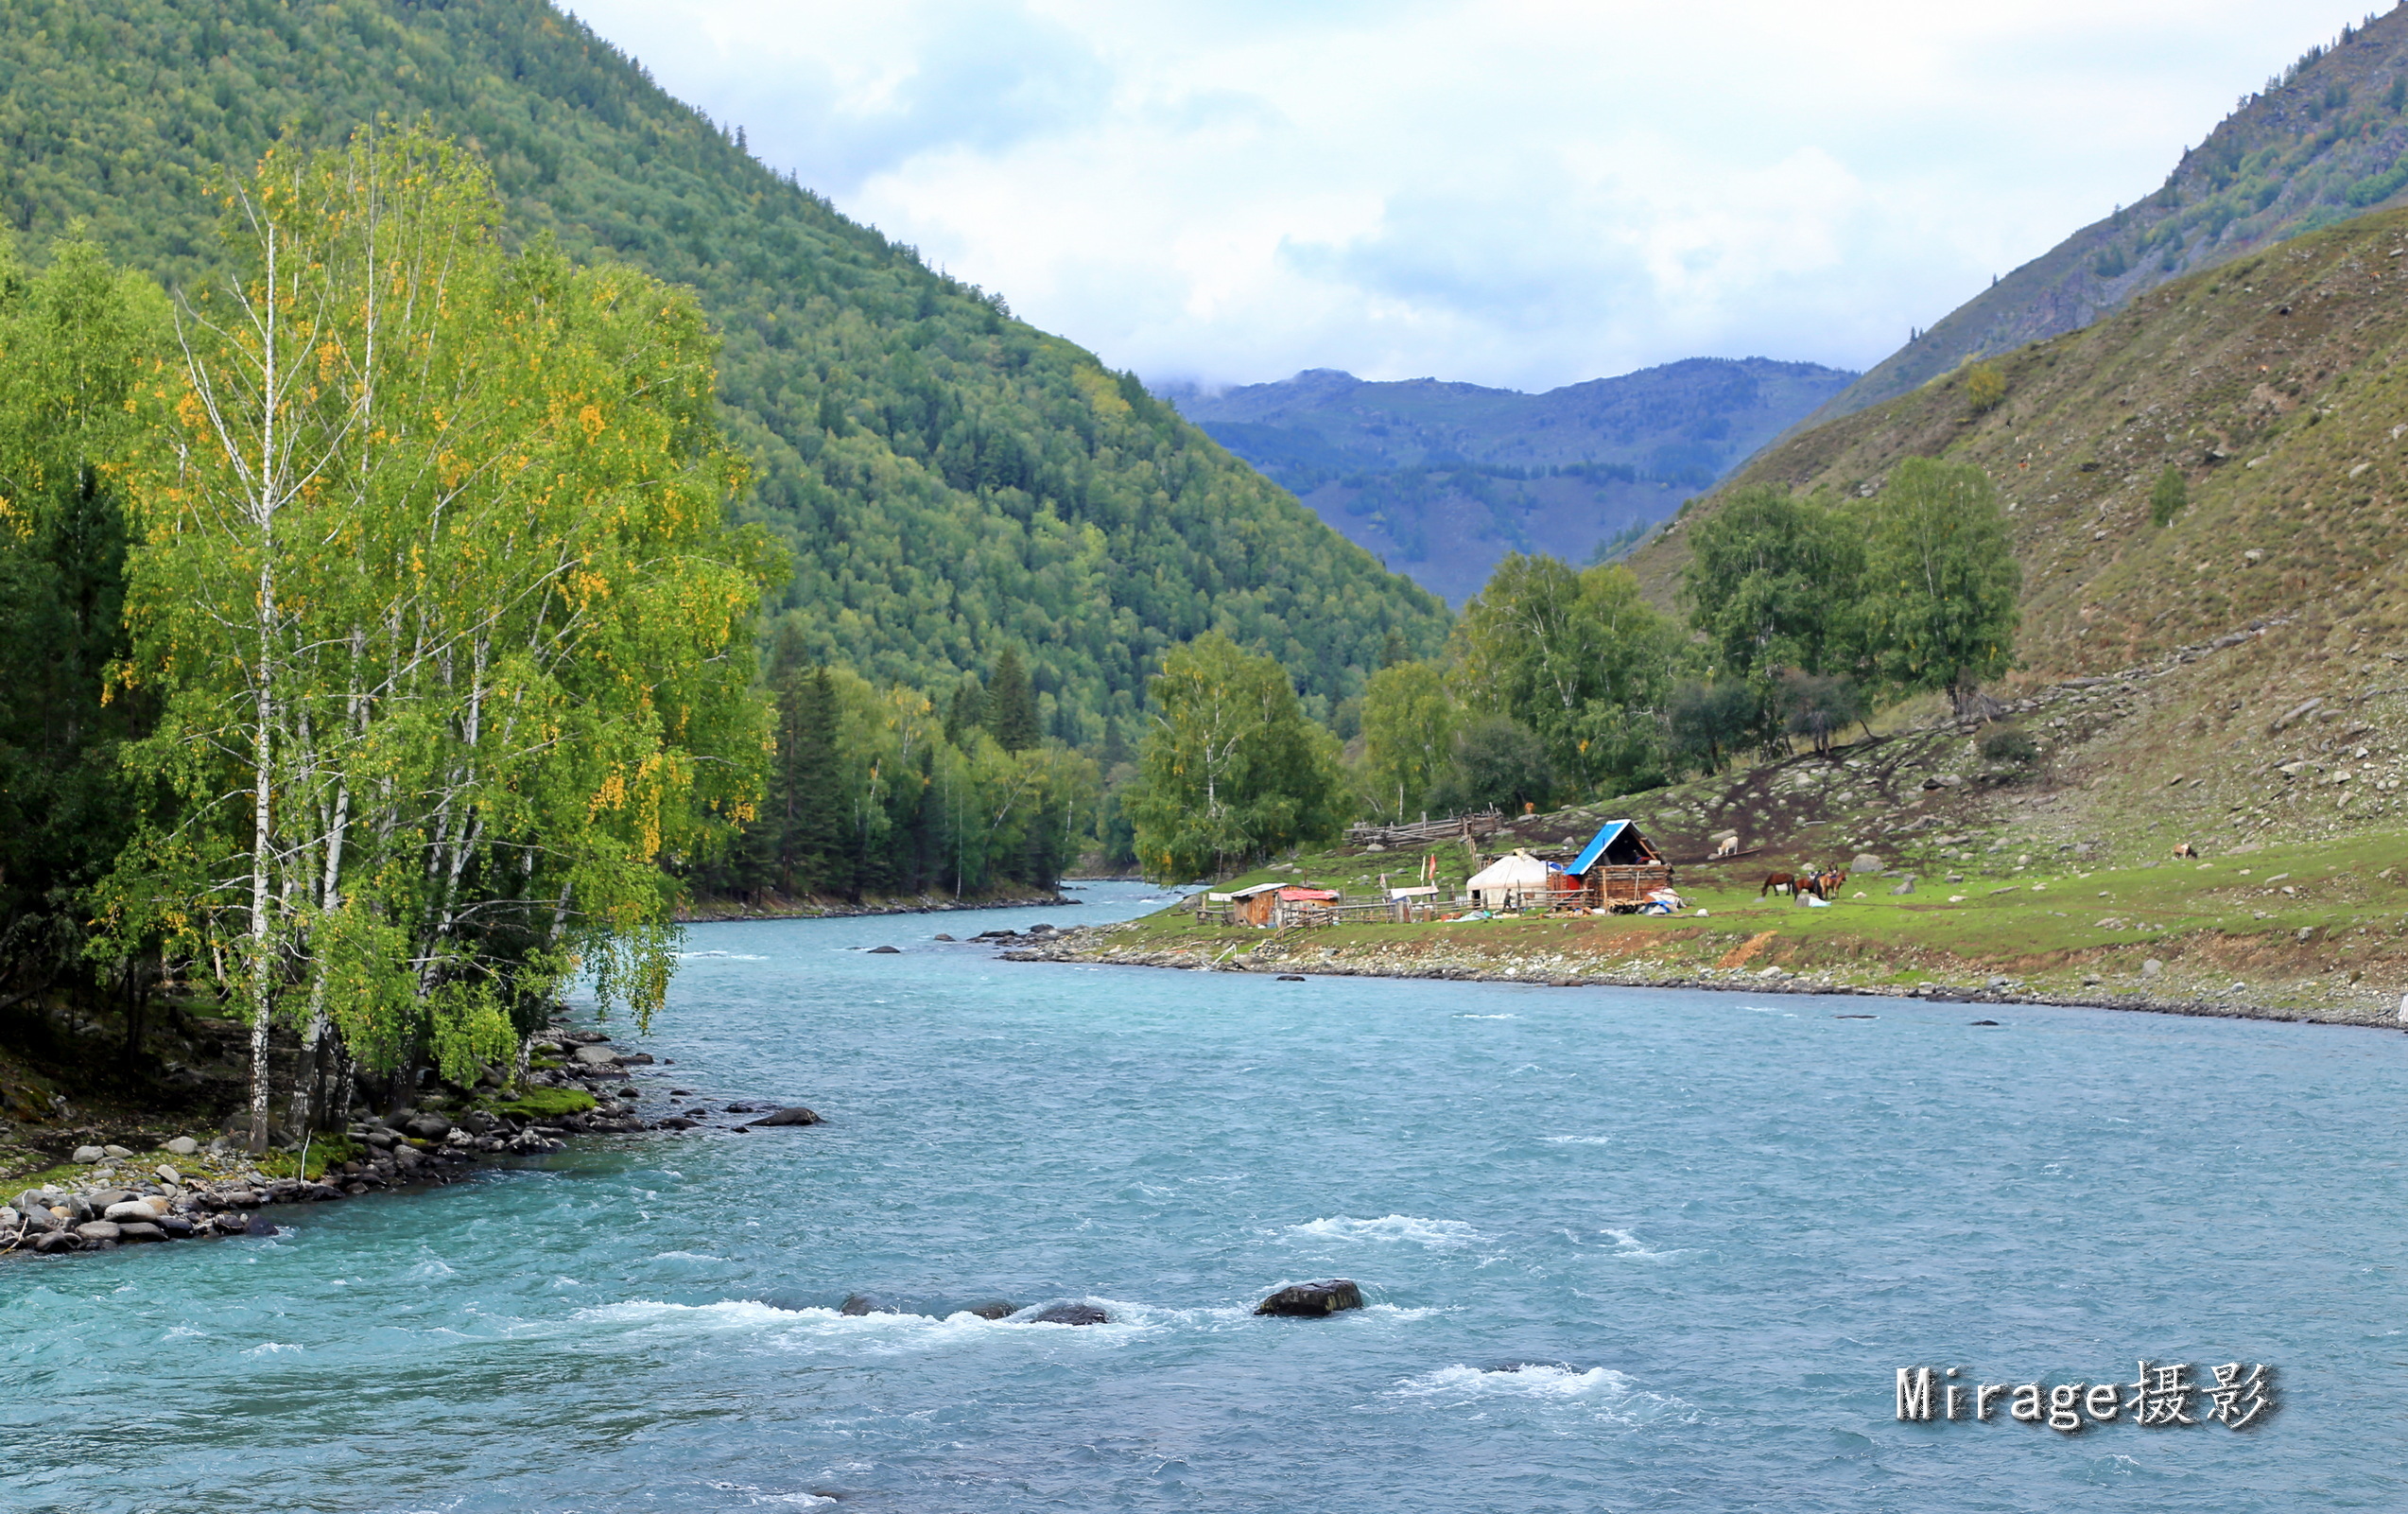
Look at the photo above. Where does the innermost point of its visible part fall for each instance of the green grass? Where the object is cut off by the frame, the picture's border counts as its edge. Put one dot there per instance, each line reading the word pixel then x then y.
pixel 2049 924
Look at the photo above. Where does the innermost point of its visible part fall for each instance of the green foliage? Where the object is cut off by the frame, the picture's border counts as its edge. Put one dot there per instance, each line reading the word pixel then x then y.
pixel 1940 580
pixel 1706 722
pixel 74 341
pixel 1231 771
pixel 2168 496
pixel 946 478
pixel 1579 658
pixel 1818 707
pixel 870 794
pixel 1011 705
pixel 1409 722
pixel 1772 585
pixel 434 577
pixel 1496 762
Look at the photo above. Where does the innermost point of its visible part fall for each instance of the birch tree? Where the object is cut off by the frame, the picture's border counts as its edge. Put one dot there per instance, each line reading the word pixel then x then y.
pixel 435 577
pixel 1231 770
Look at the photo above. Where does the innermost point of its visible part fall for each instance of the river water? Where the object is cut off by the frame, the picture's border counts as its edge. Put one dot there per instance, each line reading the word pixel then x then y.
pixel 1623 1250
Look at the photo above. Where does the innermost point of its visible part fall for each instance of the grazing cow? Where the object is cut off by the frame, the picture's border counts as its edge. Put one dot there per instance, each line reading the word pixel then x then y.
pixel 1780 883
pixel 1729 848
pixel 2186 849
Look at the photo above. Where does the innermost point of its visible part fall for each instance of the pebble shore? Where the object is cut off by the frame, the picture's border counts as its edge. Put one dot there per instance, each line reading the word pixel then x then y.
pixel 188 1190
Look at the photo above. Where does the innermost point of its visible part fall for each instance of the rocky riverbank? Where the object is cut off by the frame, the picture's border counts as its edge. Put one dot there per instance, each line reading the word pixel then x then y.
pixel 2154 986
pixel 779 906
pixel 107 1195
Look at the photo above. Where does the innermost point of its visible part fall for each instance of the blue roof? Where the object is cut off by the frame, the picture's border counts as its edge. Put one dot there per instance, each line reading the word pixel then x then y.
pixel 1597 845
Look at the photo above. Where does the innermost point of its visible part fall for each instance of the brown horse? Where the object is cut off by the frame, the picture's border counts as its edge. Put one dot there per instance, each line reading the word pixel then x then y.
pixel 1780 883
pixel 1823 885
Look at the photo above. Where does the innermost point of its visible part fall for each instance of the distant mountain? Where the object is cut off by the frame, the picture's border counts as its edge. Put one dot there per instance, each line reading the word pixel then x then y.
pixel 1442 479
pixel 2327 139
pixel 949 481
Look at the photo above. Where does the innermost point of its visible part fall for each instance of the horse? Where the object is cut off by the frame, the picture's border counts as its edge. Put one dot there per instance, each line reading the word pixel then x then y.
pixel 2186 849
pixel 1780 883
pixel 1823 885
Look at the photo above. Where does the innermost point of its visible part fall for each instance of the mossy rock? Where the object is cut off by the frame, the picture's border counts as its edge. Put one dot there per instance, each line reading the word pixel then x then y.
pixel 545 1104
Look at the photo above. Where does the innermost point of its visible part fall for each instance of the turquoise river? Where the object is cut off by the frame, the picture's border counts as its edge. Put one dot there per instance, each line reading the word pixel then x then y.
pixel 1623 1250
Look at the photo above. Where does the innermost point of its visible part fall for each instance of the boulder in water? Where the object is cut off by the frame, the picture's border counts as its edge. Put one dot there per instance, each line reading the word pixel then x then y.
pixel 1072 1315
pixel 886 951
pixel 861 1306
pixel 993 1309
pixel 795 1116
pixel 1291 978
pixel 1313 1300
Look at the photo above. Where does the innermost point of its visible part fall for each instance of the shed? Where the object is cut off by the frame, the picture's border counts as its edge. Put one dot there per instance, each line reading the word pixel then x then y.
pixel 1512 881
pixel 1253 906
pixel 1620 867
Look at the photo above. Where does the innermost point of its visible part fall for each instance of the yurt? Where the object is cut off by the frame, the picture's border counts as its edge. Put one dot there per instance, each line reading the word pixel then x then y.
pixel 1511 882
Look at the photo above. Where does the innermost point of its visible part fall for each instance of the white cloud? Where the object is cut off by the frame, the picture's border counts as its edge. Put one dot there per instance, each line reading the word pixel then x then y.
pixel 1513 192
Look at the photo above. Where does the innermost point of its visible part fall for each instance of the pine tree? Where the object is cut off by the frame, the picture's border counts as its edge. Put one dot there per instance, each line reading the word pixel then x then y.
pixel 1011 705
pixel 815 855
pixel 967 712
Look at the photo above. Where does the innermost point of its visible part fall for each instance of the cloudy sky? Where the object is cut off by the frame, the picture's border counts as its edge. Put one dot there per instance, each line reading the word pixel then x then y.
pixel 1519 194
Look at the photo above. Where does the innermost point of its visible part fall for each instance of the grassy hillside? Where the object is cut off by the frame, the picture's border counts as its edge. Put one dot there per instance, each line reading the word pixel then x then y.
pixel 1442 480
pixel 2272 604
pixel 950 478
pixel 2326 139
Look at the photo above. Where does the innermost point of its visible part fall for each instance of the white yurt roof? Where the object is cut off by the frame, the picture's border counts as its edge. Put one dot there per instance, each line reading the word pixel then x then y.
pixel 1517 870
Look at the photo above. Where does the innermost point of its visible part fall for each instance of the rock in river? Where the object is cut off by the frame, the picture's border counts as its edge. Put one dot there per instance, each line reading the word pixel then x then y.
pixel 886 951
pixel 862 1305
pixel 1074 1315
pixel 1313 1300
pixel 795 1116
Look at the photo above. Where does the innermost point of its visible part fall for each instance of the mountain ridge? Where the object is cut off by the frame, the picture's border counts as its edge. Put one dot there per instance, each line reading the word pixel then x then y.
pixel 1443 478
pixel 2327 139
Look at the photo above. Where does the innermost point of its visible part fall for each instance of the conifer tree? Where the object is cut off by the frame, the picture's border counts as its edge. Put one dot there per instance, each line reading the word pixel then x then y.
pixel 1011 705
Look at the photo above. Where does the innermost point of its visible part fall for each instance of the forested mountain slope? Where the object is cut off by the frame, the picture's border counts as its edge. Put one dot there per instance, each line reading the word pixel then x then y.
pixel 1442 480
pixel 2273 390
pixel 2326 139
pixel 948 478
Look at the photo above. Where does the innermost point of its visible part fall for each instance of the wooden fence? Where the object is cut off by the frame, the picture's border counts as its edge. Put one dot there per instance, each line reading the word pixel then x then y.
pixel 1421 832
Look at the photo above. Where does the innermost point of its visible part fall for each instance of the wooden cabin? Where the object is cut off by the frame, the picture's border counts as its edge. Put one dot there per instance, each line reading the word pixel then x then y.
pixel 1620 868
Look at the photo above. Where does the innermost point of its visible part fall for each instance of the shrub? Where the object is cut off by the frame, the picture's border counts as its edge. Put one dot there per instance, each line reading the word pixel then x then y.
pixel 2010 747
pixel 1984 387
pixel 2167 499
